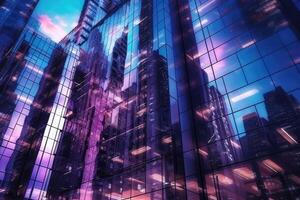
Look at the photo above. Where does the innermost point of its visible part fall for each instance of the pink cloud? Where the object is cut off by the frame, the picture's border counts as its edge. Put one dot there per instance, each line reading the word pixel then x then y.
pixel 56 31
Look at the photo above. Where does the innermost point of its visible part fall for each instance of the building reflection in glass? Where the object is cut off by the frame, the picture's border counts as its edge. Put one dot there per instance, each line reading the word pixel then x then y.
pixel 19 87
pixel 241 61
pixel 199 103
pixel 14 15
pixel 35 69
pixel 222 108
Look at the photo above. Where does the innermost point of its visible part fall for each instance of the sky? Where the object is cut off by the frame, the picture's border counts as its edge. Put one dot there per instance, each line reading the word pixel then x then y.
pixel 58 17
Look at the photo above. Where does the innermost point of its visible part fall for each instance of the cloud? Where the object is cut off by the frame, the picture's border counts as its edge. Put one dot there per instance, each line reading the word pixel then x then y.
pixel 53 30
pixel 56 27
pixel 61 22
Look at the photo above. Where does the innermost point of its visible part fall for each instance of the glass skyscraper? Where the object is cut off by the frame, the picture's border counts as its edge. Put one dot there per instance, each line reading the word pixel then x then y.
pixel 156 99
pixel 14 15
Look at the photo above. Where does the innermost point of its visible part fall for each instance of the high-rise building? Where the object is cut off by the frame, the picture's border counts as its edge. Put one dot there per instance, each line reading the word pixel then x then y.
pixel 22 161
pixel 87 19
pixel 283 112
pixel 14 15
pixel 158 99
pixel 19 86
pixel 83 118
pixel 32 103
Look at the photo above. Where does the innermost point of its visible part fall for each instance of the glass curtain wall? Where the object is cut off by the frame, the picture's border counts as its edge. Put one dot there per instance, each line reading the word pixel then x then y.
pixel 166 99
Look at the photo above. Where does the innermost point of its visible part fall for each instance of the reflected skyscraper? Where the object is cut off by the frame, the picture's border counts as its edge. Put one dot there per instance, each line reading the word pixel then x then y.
pixel 8 86
pixel 85 110
pixel 23 159
pixel 284 115
pixel 14 16
pixel 19 87
pixel 265 137
pixel 220 128
pixel 258 136
pixel 31 84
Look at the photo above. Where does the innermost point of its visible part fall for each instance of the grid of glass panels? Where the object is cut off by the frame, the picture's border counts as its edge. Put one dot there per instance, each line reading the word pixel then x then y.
pixel 248 53
pixel 237 124
pixel 41 172
pixel 202 103
pixel 139 122
pixel 38 85
pixel 32 53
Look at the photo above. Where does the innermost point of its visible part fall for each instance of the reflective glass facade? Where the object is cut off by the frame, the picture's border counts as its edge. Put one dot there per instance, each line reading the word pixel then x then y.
pixel 34 92
pixel 14 15
pixel 163 99
pixel 247 55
